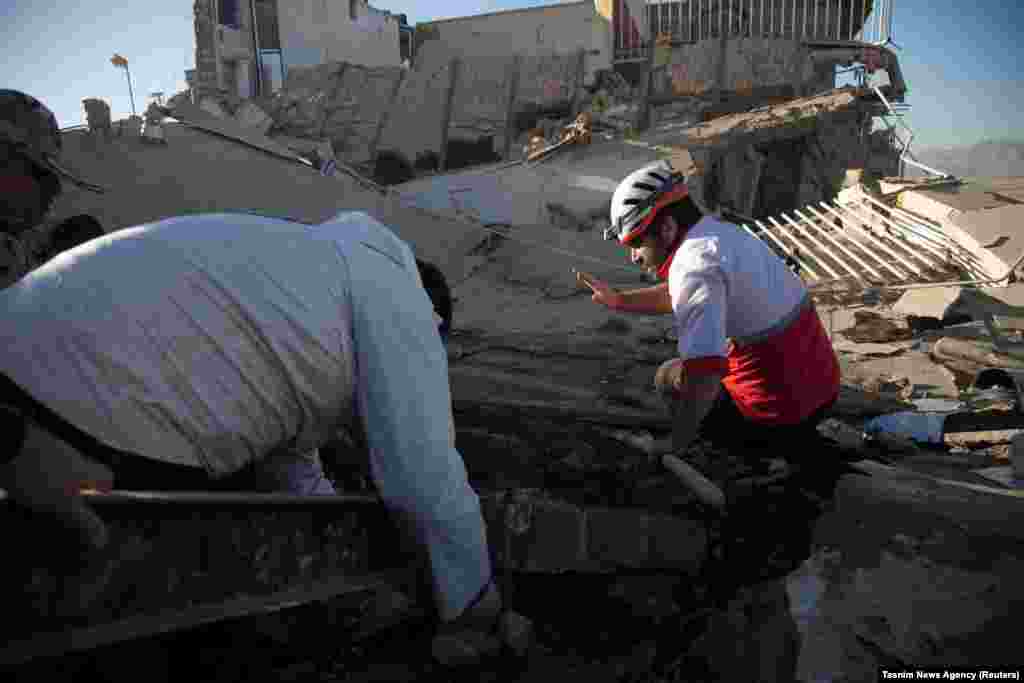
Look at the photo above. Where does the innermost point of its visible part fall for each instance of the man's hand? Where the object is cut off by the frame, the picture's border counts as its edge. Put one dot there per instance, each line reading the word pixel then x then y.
pixel 670 377
pixel 603 293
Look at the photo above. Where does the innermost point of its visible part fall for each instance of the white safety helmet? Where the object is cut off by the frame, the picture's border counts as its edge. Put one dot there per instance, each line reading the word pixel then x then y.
pixel 640 197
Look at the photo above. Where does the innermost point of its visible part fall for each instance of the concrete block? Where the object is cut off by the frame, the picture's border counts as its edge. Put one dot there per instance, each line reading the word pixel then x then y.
pixel 213 108
pixel 676 543
pixel 528 534
pixel 414 125
pixel 480 100
pixel 619 537
pixel 97 113
pixel 936 302
pixel 251 115
pixel 555 541
pixel 355 109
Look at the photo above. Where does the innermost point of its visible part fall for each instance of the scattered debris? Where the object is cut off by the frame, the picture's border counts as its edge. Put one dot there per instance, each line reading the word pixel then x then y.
pixel 920 427
pixel 868 349
pixel 997 397
pixel 843 434
pixel 213 108
pixel 97 116
pixel 1005 475
pixel 251 115
pixel 427 161
pixel 152 131
pixel 870 327
pixel 936 304
pixel 1017 456
pixel 970 357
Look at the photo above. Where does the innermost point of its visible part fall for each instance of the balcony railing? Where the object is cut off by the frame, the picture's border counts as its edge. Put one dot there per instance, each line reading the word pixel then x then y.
pixel 688 21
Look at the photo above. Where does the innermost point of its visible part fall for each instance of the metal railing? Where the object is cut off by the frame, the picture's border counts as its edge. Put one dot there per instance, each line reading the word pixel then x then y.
pixel 895 112
pixel 844 248
pixel 689 21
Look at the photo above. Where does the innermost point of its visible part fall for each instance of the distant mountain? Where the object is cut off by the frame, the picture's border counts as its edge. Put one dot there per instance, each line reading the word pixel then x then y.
pixel 988 158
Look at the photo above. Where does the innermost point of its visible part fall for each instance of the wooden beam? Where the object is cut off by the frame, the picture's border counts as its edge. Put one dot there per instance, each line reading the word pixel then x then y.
pixel 55 644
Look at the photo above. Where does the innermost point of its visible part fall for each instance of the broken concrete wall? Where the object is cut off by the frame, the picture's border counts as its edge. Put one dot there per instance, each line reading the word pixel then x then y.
pixel 314 32
pixel 479 97
pixel 417 113
pixel 358 106
pixel 536 31
pixel 831 150
pixel 759 66
pixel 547 81
pixel 760 163
pixel 300 108
pixel 480 101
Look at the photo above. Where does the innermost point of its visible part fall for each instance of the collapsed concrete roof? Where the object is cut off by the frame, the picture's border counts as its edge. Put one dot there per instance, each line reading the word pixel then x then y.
pixel 983 214
pixel 504 279
pixel 774 122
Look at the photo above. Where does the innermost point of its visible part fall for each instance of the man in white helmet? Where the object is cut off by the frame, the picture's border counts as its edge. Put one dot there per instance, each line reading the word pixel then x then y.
pixel 755 365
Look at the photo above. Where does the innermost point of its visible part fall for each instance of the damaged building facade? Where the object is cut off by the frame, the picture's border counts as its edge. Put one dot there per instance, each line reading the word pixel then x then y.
pixel 481 87
pixel 245 48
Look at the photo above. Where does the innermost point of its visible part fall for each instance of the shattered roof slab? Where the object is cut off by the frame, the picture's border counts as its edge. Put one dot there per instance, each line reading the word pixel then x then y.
pixel 973 194
pixel 775 120
pixel 199 171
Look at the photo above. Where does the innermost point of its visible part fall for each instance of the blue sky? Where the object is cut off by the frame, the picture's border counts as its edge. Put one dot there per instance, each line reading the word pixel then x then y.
pixel 961 60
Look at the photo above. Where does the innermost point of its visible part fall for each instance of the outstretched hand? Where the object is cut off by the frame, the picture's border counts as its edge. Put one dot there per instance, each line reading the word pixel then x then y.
pixel 603 293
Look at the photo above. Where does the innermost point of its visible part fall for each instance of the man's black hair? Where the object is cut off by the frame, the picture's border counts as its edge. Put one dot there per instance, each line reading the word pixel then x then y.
pixel 685 213
pixel 438 291
pixel 72 232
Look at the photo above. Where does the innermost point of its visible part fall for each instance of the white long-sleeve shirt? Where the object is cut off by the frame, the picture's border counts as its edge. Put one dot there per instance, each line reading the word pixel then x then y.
pixel 216 340
pixel 728 286
pixel 212 340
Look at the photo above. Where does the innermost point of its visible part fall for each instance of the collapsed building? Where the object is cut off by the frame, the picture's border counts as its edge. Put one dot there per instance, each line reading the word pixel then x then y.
pixel 554 423
pixel 915 564
pixel 735 75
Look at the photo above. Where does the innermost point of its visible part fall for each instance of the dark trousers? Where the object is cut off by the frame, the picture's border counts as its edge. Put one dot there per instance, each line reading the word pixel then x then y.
pixel 726 427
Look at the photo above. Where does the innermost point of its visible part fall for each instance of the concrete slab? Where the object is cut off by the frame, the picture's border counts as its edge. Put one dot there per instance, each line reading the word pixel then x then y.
pixel 202 172
pixel 975 195
pixel 935 302
pixel 196 117
pixel 914 366
pixel 1000 231
pixel 580 178
pixel 795 118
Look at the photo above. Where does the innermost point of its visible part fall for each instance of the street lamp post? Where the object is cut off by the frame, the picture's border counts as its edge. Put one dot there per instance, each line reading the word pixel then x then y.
pixel 118 60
